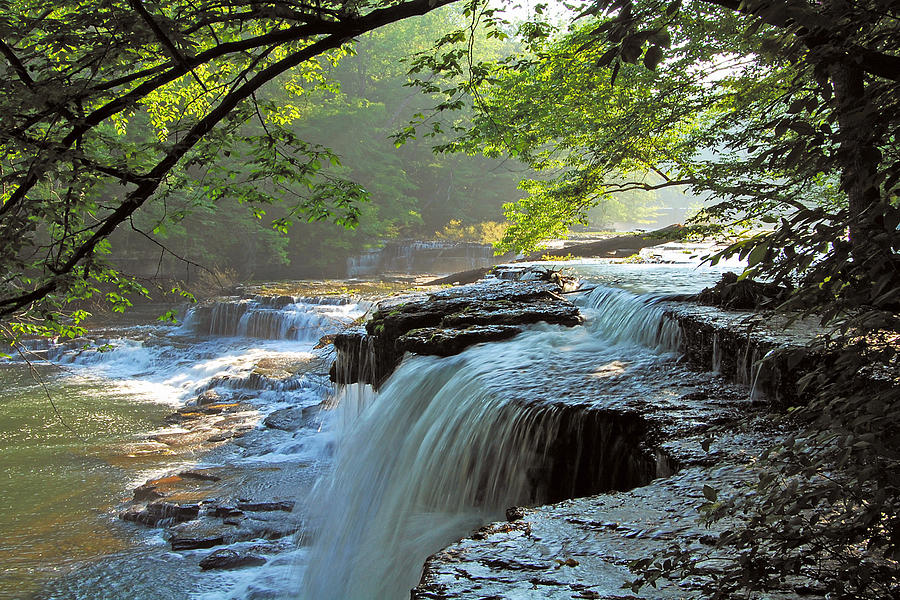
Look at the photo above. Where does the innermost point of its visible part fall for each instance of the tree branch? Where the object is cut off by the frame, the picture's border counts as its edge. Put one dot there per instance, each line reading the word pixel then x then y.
pixel 163 39
pixel 17 65
pixel 873 62
pixel 349 28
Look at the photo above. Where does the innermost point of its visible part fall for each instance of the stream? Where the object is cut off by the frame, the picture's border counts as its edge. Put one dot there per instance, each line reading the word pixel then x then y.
pixel 379 483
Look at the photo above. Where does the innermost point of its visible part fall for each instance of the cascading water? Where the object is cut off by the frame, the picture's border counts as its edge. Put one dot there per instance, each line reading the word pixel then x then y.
pixel 449 444
pixel 274 318
pixel 421 257
pixel 115 390
pixel 624 316
pixel 445 446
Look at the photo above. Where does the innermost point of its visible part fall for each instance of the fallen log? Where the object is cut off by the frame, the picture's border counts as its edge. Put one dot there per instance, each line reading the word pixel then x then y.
pixel 611 247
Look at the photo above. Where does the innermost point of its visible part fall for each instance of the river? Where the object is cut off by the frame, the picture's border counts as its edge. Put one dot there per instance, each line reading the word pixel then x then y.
pixel 67 475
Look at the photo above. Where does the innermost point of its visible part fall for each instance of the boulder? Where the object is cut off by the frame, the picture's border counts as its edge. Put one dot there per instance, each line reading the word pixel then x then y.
pixel 189 543
pixel 227 558
pixel 286 419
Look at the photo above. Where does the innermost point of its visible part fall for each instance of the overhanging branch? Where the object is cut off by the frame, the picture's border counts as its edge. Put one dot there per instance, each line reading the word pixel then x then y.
pixel 347 29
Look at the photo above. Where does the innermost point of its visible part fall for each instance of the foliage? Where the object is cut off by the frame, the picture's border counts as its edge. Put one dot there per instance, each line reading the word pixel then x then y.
pixel 110 105
pixel 411 192
pixel 486 232
pixel 783 113
pixel 780 113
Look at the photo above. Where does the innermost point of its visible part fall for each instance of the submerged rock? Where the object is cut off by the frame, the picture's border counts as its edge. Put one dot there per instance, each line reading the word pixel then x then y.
pixel 227 558
pixel 187 543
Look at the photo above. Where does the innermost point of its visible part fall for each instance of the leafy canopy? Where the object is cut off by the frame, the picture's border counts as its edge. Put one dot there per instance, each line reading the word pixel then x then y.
pixel 107 105
pixel 783 113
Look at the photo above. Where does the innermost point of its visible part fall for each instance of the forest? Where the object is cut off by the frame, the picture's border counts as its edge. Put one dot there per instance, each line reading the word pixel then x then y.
pixel 277 138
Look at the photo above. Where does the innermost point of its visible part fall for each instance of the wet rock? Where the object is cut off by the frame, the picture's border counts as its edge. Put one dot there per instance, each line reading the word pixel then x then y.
pixel 286 506
pixel 287 419
pixel 227 558
pixel 208 397
pixel 147 492
pixel 199 476
pixel 771 352
pixel 220 407
pixel 182 415
pixel 181 438
pixel 447 342
pixel 446 322
pixel 239 527
pixel 570 552
pixel 514 513
pixel 187 543
pixel 226 511
pixel 157 514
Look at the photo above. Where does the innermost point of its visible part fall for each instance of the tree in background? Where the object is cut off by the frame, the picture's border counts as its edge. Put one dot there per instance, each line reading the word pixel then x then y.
pixel 413 191
pixel 77 73
pixel 784 112
pixel 779 111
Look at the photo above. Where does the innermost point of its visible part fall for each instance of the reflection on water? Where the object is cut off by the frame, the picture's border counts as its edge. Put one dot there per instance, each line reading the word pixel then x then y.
pixel 60 488
pixel 56 490
pixel 65 476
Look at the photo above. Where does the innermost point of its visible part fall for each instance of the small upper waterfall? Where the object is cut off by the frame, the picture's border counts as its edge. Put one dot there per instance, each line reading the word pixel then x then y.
pixel 625 316
pixel 448 444
pixel 275 317
pixel 421 257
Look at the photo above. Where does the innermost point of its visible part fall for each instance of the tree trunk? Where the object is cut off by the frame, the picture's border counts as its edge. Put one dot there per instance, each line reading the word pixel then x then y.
pixel 858 154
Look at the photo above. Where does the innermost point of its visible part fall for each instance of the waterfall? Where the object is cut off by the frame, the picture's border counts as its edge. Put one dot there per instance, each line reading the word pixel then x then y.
pixel 716 354
pixel 275 317
pixel 421 257
pixel 623 316
pixel 433 456
pixel 448 444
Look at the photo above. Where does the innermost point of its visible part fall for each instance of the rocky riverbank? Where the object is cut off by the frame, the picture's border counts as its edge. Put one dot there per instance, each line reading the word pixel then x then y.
pixel 651 454
pixel 644 453
pixel 228 500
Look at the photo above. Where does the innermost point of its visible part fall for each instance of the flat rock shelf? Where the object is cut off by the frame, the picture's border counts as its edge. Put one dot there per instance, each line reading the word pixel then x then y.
pixel 627 464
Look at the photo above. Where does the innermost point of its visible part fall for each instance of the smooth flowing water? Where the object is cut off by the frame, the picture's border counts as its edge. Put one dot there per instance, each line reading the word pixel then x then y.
pixel 446 444
pixel 65 474
pixel 443 448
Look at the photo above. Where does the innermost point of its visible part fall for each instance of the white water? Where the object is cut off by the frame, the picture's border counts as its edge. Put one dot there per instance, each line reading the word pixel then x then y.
pixel 439 451
pixel 444 447
pixel 170 365
pixel 279 318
